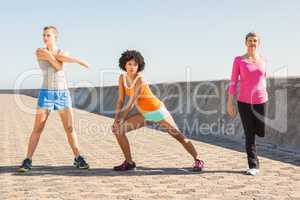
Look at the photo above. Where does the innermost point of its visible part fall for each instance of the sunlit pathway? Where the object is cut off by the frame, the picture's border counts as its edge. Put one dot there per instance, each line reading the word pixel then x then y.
pixel 163 166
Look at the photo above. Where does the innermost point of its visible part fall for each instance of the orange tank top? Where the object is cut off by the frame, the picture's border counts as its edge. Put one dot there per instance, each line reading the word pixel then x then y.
pixel 146 100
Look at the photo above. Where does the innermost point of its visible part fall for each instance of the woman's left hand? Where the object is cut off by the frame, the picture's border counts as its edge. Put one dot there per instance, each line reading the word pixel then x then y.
pixel 43 54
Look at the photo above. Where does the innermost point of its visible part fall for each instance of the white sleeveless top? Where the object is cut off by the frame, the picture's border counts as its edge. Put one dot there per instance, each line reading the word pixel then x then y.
pixel 52 79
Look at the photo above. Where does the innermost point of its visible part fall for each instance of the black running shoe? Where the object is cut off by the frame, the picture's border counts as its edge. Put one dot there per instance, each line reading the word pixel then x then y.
pixel 80 163
pixel 26 165
pixel 125 166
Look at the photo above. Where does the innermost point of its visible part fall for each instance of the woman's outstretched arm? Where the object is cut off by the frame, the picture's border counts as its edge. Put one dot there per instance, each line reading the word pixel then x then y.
pixel 65 57
pixel 120 101
pixel 119 105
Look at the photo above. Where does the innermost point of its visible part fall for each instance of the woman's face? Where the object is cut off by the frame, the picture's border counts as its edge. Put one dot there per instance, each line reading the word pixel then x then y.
pixel 252 43
pixel 49 37
pixel 131 66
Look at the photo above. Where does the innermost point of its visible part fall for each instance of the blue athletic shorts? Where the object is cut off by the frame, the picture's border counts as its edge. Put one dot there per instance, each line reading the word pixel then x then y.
pixel 54 99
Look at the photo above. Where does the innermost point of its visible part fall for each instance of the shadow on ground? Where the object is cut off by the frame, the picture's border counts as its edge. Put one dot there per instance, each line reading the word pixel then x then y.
pixel 140 171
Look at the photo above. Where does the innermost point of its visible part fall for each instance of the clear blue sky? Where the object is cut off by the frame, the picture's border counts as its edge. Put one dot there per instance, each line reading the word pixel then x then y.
pixel 172 34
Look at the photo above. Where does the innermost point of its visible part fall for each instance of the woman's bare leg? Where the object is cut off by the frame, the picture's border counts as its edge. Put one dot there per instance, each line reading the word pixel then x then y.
pixel 41 117
pixel 132 123
pixel 170 127
pixel 66 116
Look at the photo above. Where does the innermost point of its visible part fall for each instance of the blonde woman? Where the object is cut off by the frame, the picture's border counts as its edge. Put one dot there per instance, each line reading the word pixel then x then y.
pixel 53 95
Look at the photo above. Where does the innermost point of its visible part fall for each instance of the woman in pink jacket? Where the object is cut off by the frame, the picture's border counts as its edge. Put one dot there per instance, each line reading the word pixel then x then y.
pixel 250 70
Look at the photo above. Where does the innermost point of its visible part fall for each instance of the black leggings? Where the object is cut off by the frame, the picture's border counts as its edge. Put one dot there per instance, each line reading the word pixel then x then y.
pixel 252 125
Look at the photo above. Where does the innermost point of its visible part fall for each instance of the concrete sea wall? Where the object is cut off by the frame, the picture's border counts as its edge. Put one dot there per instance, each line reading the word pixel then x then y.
pixel 199 108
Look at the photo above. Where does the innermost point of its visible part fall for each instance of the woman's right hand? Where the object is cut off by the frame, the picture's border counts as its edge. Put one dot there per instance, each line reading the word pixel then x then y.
pixel 84 64
pixel 116 125
pixel 230 108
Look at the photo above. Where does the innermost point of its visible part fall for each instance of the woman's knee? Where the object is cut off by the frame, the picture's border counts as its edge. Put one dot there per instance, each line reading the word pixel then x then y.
pixel 69 129
pixel 118 132
pixel 260 130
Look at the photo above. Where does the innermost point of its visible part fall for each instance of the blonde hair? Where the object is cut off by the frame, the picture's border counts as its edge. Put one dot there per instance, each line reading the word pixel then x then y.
pixel 53 28
pixel 251 34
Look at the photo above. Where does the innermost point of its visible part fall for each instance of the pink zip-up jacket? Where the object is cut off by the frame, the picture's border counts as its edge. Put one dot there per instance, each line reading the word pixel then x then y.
pixel 252 78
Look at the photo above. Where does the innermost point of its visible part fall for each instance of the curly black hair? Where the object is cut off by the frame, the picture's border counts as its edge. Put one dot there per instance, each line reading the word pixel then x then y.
pixel 129 55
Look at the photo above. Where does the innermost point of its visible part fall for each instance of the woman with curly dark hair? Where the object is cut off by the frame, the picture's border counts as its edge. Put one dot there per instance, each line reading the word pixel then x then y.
pixel 150 110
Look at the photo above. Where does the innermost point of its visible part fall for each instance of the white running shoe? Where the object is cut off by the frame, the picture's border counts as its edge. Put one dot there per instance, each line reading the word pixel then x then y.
pixel 252 172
